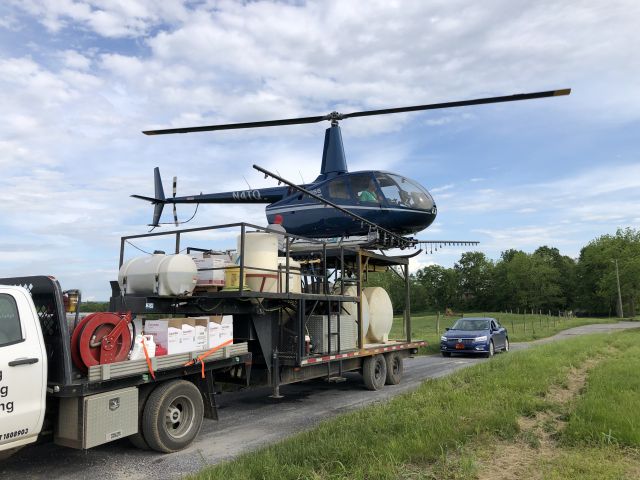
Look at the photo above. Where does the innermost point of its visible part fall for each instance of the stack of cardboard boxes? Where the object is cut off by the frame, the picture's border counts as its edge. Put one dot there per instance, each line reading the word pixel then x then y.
pixel 180 335
pixel 211 268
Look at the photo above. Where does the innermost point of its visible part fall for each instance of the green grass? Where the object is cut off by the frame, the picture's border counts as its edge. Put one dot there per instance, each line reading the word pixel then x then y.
pixel 609 410
pixel 413 435
pixel 521 328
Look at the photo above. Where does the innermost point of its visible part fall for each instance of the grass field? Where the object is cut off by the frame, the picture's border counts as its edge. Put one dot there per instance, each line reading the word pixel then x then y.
pixel 521 327
pixel 524 409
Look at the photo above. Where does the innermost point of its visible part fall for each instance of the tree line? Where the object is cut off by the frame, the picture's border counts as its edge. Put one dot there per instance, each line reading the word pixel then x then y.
pixel 518 281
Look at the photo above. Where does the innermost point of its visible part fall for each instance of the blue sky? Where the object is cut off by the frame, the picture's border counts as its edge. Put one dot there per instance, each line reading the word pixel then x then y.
pixel 79 80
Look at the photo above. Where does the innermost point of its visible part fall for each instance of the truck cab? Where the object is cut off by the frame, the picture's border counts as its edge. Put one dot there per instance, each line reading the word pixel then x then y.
pixel 23 369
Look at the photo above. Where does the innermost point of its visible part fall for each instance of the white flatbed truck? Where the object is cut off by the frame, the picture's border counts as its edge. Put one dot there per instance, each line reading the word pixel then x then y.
pixel 44 397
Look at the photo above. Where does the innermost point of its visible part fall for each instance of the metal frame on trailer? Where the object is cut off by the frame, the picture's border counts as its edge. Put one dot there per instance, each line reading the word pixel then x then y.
pixel 260 313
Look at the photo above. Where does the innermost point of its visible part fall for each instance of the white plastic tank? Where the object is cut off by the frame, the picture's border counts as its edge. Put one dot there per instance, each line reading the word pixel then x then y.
pixel 351 308
pixel 295 279
pixel 260 261
pixel 176 275
pixel 380 314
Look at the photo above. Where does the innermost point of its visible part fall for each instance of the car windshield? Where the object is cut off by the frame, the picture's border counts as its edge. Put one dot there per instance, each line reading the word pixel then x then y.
pixel 468 324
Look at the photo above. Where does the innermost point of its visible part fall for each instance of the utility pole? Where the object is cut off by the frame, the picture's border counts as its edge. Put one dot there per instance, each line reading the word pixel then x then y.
pixel 620 312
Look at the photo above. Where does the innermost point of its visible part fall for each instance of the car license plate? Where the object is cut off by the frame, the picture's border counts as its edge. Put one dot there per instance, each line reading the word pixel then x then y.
pixel 459 346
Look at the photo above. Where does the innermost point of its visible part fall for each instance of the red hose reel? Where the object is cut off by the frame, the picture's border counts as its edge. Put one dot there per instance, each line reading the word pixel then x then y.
pixel 100 338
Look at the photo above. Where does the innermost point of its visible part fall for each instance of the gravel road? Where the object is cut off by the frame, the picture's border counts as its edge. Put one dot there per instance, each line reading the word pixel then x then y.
pixel 248 420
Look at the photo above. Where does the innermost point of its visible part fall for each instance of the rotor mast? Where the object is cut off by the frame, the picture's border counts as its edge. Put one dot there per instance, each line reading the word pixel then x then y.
pixel 333 158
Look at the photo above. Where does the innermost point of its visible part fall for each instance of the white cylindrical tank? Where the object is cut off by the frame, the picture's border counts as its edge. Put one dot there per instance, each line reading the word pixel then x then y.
pixel 158 274
pixel 380 314
pixel 260 260
pixel 295 279
pixel 351 308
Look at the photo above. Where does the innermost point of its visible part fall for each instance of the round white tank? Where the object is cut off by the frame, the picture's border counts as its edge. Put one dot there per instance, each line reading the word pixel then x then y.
pixel 260 261
pixel 351 308
pixel 176 275
pixel 380 314
pixel 295 279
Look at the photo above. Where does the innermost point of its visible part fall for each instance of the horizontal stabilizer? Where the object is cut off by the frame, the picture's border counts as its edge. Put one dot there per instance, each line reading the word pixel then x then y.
pixel 149 199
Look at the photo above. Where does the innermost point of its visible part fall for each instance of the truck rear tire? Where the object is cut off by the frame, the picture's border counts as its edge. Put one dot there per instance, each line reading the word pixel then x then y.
pixel 137 439
pixel 172 416
pixel 374 372
pixel 395 368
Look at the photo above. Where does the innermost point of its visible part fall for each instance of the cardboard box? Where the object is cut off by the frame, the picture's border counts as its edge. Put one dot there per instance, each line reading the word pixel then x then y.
pixel 202 334
pixel 207 261
pixel 188 335
pixel 166 332
pixel 220 330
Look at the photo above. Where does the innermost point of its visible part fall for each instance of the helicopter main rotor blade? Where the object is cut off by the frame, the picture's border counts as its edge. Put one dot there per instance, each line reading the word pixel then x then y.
pixel 233 126
pixel 336 116
pixel 463 103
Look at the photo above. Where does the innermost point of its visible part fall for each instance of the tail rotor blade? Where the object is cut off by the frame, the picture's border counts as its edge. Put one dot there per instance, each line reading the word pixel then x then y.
pixel 175 210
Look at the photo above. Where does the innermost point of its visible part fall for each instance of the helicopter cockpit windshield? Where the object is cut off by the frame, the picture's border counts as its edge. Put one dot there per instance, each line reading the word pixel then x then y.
pixel 403 192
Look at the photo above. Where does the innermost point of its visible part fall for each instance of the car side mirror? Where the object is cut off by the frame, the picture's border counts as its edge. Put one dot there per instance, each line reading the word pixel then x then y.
pixel 447 329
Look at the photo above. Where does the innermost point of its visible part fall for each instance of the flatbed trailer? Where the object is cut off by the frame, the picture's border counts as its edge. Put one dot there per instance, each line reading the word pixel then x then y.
pixel 159 403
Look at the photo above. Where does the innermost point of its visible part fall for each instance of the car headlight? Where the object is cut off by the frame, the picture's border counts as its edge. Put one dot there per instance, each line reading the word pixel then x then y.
pixel 443 338
pixel 481 339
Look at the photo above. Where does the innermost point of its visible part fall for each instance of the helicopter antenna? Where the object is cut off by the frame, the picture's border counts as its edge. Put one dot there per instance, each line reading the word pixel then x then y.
pixel 301 177
pixel 245 181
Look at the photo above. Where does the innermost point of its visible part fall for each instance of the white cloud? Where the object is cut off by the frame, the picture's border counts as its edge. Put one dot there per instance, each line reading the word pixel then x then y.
pixel 102 70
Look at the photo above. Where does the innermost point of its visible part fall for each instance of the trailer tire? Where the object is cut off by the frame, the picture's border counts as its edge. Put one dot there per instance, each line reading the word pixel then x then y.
pixel 137 439
pixel 395 368
pixel 374 372
pixel 172 416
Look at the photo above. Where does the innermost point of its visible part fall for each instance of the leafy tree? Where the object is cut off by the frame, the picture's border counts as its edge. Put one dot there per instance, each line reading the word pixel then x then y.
pixel 596 272
pixel 565 277
pixel 475 273
pixel 440 287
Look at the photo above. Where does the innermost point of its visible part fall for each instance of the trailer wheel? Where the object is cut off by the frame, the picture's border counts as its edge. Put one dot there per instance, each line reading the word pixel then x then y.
pixel 137 439
pixel 374 372
pixel 395 368
pixel 172 416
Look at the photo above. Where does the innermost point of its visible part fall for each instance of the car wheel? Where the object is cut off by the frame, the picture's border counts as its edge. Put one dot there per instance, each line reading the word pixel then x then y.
pixel 506 344
pixel 446 354
pixel 374 372
pixel 491 351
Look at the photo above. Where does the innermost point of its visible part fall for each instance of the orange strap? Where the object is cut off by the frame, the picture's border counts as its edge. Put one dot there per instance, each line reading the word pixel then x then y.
pixel 146 356
pixel 206 354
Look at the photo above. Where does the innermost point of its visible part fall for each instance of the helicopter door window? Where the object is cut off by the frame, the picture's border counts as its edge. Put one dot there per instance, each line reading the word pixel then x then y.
pixel 365 189
pixel 392 192
pixel 338 189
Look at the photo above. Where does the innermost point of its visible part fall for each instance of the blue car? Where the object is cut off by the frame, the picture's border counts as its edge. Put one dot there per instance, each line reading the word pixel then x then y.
pixel 478 335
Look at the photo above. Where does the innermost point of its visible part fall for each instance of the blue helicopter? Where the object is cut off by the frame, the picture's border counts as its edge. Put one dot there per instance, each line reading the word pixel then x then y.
pixel 364 202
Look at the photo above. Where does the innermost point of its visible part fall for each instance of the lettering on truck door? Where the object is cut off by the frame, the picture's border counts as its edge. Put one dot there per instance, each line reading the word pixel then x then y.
pixel 22 369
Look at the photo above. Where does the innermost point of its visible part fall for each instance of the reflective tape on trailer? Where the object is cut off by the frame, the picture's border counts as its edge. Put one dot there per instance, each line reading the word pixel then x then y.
pixel 363 353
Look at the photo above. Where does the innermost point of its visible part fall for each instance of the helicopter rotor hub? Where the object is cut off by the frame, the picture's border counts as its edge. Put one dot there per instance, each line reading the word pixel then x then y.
pixel 335 117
